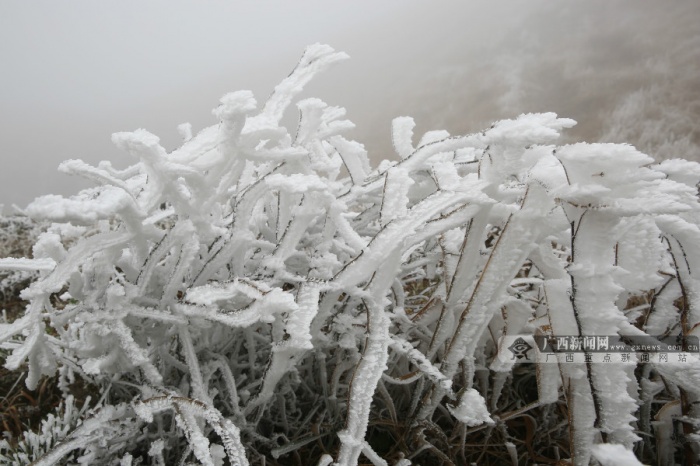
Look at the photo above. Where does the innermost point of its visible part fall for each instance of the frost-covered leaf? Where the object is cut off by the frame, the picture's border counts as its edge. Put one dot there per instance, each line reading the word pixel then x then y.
pixel 471 409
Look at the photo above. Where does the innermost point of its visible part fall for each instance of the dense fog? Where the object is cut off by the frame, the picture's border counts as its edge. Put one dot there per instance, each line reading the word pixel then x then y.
pixel 626 71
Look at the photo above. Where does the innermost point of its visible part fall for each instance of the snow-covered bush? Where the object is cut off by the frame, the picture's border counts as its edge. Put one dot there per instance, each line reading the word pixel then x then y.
pixel 258 292
pixel 17 236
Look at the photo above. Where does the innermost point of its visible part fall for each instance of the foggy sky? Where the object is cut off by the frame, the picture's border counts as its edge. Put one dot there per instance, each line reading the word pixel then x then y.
pixel 75 72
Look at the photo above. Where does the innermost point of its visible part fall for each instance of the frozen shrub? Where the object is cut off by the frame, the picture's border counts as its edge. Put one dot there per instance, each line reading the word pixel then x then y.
pixel 256 293
pixel 17 235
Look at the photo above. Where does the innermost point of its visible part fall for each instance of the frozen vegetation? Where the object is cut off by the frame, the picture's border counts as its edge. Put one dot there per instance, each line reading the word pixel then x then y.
pixel 265 296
